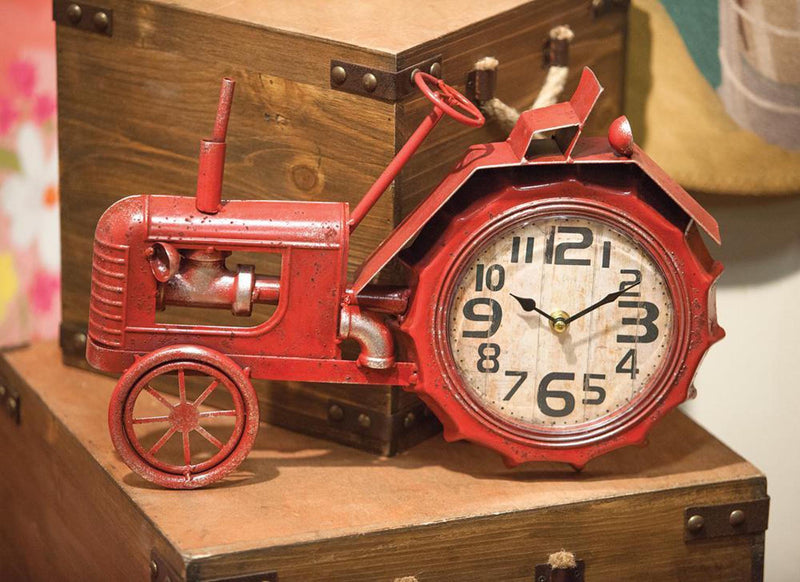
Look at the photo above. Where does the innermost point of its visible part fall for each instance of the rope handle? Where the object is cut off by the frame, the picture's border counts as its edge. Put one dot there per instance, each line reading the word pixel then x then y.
pixel 505 115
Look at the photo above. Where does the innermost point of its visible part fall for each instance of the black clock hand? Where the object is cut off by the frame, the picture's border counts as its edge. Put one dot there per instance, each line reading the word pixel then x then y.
pixel 610 298
pixel 528 304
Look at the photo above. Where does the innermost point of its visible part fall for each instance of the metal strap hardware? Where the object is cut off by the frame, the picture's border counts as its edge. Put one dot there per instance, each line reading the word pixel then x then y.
pixel 83 16
pixel 547 573
pixel 377 83
pixel 355 419
pixel 730 519
pixel 9 401
pixel 481 85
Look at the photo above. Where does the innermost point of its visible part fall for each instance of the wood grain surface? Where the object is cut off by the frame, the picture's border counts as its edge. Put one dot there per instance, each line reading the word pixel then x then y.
pixel 383 25
pixel 317 511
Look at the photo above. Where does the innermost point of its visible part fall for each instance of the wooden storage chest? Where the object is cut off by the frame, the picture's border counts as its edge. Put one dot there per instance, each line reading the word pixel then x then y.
pixel 303 509
pixel 136 96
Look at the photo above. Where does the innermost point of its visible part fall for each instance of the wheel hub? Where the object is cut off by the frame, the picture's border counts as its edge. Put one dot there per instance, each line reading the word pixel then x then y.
pixel 184 417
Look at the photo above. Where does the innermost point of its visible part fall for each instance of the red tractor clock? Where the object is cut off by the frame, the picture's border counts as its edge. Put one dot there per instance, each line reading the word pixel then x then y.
pixel 559 298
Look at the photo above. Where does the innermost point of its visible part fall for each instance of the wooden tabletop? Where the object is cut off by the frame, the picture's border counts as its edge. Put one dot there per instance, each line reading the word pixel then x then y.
pixel 295 488
pixel 381 25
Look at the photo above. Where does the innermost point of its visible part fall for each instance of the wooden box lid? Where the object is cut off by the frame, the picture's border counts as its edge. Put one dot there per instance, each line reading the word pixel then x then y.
pixel 385 26
pixel 294 490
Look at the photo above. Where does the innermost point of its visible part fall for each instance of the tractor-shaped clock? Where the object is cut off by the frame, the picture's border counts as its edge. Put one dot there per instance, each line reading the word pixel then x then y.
pixel 559 298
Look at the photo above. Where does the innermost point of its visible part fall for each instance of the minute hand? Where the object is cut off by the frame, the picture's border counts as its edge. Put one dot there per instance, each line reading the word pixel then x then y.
pixel 610 298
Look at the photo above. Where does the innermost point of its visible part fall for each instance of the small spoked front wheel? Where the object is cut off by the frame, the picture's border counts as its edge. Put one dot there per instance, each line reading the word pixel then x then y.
pixel 163 427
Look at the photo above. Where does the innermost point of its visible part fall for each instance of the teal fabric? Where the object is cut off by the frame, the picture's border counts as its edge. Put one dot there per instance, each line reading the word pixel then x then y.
pixel 698 23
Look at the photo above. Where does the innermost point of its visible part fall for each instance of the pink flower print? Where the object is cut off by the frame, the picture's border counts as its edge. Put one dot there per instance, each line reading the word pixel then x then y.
pixel 8 115
pixel 22 75
pixel 44 106
pixel 43 290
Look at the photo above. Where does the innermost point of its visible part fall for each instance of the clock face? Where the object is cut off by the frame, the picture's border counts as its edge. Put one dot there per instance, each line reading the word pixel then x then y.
pixel 559 321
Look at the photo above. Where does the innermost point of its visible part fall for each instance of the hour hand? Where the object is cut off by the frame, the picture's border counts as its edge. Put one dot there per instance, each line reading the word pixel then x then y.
pixel 529 304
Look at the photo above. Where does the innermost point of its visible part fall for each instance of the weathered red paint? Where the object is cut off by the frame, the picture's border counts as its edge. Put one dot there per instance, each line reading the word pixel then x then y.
pixel 445 101
pixel 212 155
pixel 156 251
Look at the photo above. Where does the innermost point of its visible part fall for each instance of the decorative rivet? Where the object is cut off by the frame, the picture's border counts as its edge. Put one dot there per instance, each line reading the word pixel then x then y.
pixel 74 13
pixel 436 69
pixel 409 420
pixel 100 21
pixel 364 421
pixel 11 403
pixel 541 579
pixel 695 523
pixel 413 74
pixel 153 569
pixel 338 75
pixel 2 391
pixel 79 340
pixel 369 82
pixel 335 412
pixel 736 517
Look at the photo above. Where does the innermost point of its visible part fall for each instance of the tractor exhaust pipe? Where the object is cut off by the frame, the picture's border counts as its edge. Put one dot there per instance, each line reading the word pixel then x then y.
pixel 212 155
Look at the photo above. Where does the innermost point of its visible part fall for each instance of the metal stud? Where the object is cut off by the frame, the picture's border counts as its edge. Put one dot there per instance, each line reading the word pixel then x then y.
pixel 335 412
pixel 153 569
pixel 79 340
pixel 2 391
pixel 408 421
pixel 436 69
pixel 100 21
pixel 74 13
pixel 364 421
pixel 338 75
pixel 369 82
pixel 737 517
pixel 695 523
pixel 413 74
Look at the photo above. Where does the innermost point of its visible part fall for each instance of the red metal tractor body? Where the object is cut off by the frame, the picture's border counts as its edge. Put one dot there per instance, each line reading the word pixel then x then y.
pixel 310 238
pixel 156 251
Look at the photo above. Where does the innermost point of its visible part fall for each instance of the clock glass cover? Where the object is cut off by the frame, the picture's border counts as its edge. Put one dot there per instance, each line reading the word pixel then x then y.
pixel 559 321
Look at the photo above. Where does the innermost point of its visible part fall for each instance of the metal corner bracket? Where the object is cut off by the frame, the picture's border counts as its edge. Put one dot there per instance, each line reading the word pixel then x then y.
pixel 377 83
pixel 84 17
pixel 729 519
pixel 9 401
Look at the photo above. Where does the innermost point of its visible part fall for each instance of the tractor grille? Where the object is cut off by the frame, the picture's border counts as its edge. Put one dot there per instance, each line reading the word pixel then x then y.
pixel 106 306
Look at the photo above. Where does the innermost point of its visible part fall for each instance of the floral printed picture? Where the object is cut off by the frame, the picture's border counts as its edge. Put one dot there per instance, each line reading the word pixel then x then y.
pixel 29 220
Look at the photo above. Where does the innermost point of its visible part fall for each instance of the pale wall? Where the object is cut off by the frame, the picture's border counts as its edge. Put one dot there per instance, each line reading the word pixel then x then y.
pixel 749 384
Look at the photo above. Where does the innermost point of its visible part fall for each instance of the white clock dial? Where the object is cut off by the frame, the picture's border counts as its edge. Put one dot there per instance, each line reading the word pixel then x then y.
pixel 523 347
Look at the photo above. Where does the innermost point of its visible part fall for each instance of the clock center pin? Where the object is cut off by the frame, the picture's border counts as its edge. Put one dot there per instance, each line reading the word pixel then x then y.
pixel 559 322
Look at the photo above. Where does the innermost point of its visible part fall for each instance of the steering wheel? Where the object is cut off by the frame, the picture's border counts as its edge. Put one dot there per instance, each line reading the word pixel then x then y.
pixel 449 100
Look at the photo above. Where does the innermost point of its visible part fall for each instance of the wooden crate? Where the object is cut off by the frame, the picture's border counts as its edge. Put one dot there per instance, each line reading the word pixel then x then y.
pixel 135 100
pixel 305 509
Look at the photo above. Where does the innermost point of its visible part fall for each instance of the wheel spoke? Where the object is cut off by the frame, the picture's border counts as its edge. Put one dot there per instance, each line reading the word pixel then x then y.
pixel 149 419
pixel 187 453
pixel 208 436
pixel 182 384
pixel 163 440
pixel 206 393
pixel 213 413
pixel 158 396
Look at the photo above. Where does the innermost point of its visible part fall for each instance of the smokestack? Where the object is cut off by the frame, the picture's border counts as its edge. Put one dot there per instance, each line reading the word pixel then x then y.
pixel 212 155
